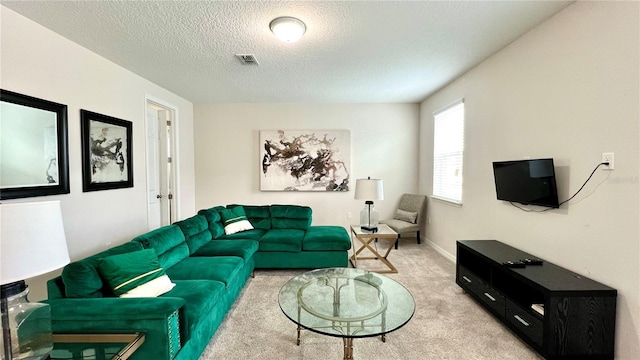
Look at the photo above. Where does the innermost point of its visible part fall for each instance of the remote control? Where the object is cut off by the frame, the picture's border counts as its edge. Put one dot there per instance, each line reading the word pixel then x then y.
pixel 532 261
pixel 512 264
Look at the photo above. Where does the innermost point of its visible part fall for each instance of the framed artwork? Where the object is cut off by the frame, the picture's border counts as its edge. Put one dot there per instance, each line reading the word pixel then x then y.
pixel 305 160
pixel 106 152
pixel 34 154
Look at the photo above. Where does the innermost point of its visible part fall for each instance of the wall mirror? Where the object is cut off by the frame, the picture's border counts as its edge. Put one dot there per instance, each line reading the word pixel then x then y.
pixel 34 159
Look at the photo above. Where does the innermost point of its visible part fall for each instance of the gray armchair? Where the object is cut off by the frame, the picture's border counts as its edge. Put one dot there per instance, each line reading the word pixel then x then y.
pixel 408 217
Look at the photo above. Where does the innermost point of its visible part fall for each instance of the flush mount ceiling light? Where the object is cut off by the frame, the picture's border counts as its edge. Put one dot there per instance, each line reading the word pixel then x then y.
pixel 287 28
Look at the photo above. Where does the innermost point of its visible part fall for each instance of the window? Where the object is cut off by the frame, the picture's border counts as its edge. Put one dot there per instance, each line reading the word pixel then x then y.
pixel 448 148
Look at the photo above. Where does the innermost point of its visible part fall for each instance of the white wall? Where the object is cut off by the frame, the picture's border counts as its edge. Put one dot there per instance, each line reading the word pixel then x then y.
pixel 569 89
pixel 37 62
pixel 384 144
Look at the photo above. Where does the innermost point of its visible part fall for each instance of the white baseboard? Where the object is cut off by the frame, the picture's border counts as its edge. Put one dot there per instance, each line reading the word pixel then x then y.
pixel 441 251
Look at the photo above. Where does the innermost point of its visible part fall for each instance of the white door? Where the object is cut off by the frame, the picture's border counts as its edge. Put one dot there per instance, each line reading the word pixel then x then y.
pixel 160 167
pixel 154 196
pixel 165 172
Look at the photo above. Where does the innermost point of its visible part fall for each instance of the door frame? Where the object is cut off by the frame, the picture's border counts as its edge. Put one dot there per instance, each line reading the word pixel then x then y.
pixel 175 158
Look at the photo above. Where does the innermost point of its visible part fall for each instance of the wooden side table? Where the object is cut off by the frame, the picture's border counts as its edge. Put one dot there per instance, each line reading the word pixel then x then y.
pixel 95 346
pixel 366 238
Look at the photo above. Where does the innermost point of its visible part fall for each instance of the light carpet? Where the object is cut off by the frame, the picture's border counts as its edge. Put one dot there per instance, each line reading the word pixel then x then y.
pixel 447 323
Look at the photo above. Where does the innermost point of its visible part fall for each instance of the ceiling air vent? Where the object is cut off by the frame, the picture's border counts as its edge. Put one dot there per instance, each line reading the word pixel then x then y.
pixel 248 59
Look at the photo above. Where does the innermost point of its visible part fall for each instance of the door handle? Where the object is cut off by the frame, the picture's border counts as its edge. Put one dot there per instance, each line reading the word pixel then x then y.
pixel 158 196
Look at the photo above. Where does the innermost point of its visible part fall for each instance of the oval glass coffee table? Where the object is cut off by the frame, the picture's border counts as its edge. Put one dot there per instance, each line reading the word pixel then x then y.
pixel 347 303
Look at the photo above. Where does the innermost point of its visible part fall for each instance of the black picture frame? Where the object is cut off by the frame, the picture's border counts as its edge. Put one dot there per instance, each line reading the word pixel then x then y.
pixel 107 160
pixel 58 166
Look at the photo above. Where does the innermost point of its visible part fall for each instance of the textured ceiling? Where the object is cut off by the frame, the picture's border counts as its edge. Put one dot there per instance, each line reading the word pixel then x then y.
pixel 352 52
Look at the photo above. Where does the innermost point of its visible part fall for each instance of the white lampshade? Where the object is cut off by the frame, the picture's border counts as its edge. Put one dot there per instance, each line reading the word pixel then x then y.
pixel 32 240
pixel 288 29
pixel 369 189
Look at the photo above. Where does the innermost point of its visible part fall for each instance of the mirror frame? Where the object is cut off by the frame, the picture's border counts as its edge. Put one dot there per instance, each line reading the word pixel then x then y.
pixel 63 147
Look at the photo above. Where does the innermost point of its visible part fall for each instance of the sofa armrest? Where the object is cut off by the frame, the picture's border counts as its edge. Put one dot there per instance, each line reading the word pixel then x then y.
pixel 55 288
pixel 158 318
pixel 114 308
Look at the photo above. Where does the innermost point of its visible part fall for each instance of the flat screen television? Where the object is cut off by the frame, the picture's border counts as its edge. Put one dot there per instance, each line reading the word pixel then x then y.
pixel 528 182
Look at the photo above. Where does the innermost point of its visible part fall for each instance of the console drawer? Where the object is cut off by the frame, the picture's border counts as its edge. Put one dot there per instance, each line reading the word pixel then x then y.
pixel 468 279
pixel 492 298
pixel 481 289
pixel 530 325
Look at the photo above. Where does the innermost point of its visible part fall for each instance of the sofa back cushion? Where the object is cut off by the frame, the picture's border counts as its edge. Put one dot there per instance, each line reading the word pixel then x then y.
pixel 196 232
pixel 258 215
pixel 81 278
pixel 168 242
pixel 214 221
pixel 290 217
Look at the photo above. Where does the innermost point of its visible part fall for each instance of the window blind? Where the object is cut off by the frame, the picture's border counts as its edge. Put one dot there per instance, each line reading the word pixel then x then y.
pixel 448 148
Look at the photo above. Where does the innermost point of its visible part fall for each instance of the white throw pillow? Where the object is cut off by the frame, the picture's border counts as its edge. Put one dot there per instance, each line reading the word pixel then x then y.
pixel 238 226
pixel 153 288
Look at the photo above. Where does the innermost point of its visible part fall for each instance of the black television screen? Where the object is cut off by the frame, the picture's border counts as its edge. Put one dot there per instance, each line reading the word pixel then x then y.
pixel 529 182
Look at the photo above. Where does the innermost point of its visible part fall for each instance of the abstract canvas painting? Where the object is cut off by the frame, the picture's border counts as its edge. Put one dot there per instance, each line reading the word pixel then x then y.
pixel 305 160
pixel 106 145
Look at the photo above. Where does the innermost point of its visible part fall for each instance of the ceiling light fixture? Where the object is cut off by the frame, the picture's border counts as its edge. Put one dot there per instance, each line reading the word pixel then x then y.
pixel 287 28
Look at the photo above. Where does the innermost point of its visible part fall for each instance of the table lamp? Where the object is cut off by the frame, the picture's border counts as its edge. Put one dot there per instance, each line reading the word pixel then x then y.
pixel 369 189
pixel 32 243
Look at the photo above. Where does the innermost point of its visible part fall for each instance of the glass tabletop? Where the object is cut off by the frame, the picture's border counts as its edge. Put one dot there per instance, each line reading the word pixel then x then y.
pixel 346 302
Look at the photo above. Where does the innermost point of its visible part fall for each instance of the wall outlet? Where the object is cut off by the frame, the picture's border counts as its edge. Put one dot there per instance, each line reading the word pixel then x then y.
pixel 608 157
pixel 348 214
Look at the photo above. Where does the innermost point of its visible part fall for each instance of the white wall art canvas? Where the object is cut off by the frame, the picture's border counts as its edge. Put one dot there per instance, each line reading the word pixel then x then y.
pixel 106 152
pixel 305 160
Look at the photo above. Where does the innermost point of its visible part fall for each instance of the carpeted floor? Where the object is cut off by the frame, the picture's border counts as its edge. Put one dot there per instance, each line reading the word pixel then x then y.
pixel 447 323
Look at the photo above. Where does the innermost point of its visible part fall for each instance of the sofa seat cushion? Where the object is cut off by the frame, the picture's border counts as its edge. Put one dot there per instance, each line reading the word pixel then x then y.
pixel 201 297
pixel 81 278
pixel 240 248
pixel 282 240
pixel 326 238
pixel 254 234
pixel 220 268
pixel 290 217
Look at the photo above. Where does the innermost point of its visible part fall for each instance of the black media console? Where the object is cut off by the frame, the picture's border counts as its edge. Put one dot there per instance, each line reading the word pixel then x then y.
pixel 560 314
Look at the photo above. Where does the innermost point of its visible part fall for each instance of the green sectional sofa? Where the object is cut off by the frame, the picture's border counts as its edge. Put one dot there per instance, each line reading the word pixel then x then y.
pixel 207 268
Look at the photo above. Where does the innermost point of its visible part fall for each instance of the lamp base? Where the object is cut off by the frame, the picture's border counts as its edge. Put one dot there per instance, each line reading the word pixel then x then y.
pixel 369 228
pixel 369 217
pixel 26 326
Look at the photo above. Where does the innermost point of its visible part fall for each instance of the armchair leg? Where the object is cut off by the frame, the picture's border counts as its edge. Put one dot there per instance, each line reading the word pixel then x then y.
pixel 397 241
pixel 418 236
